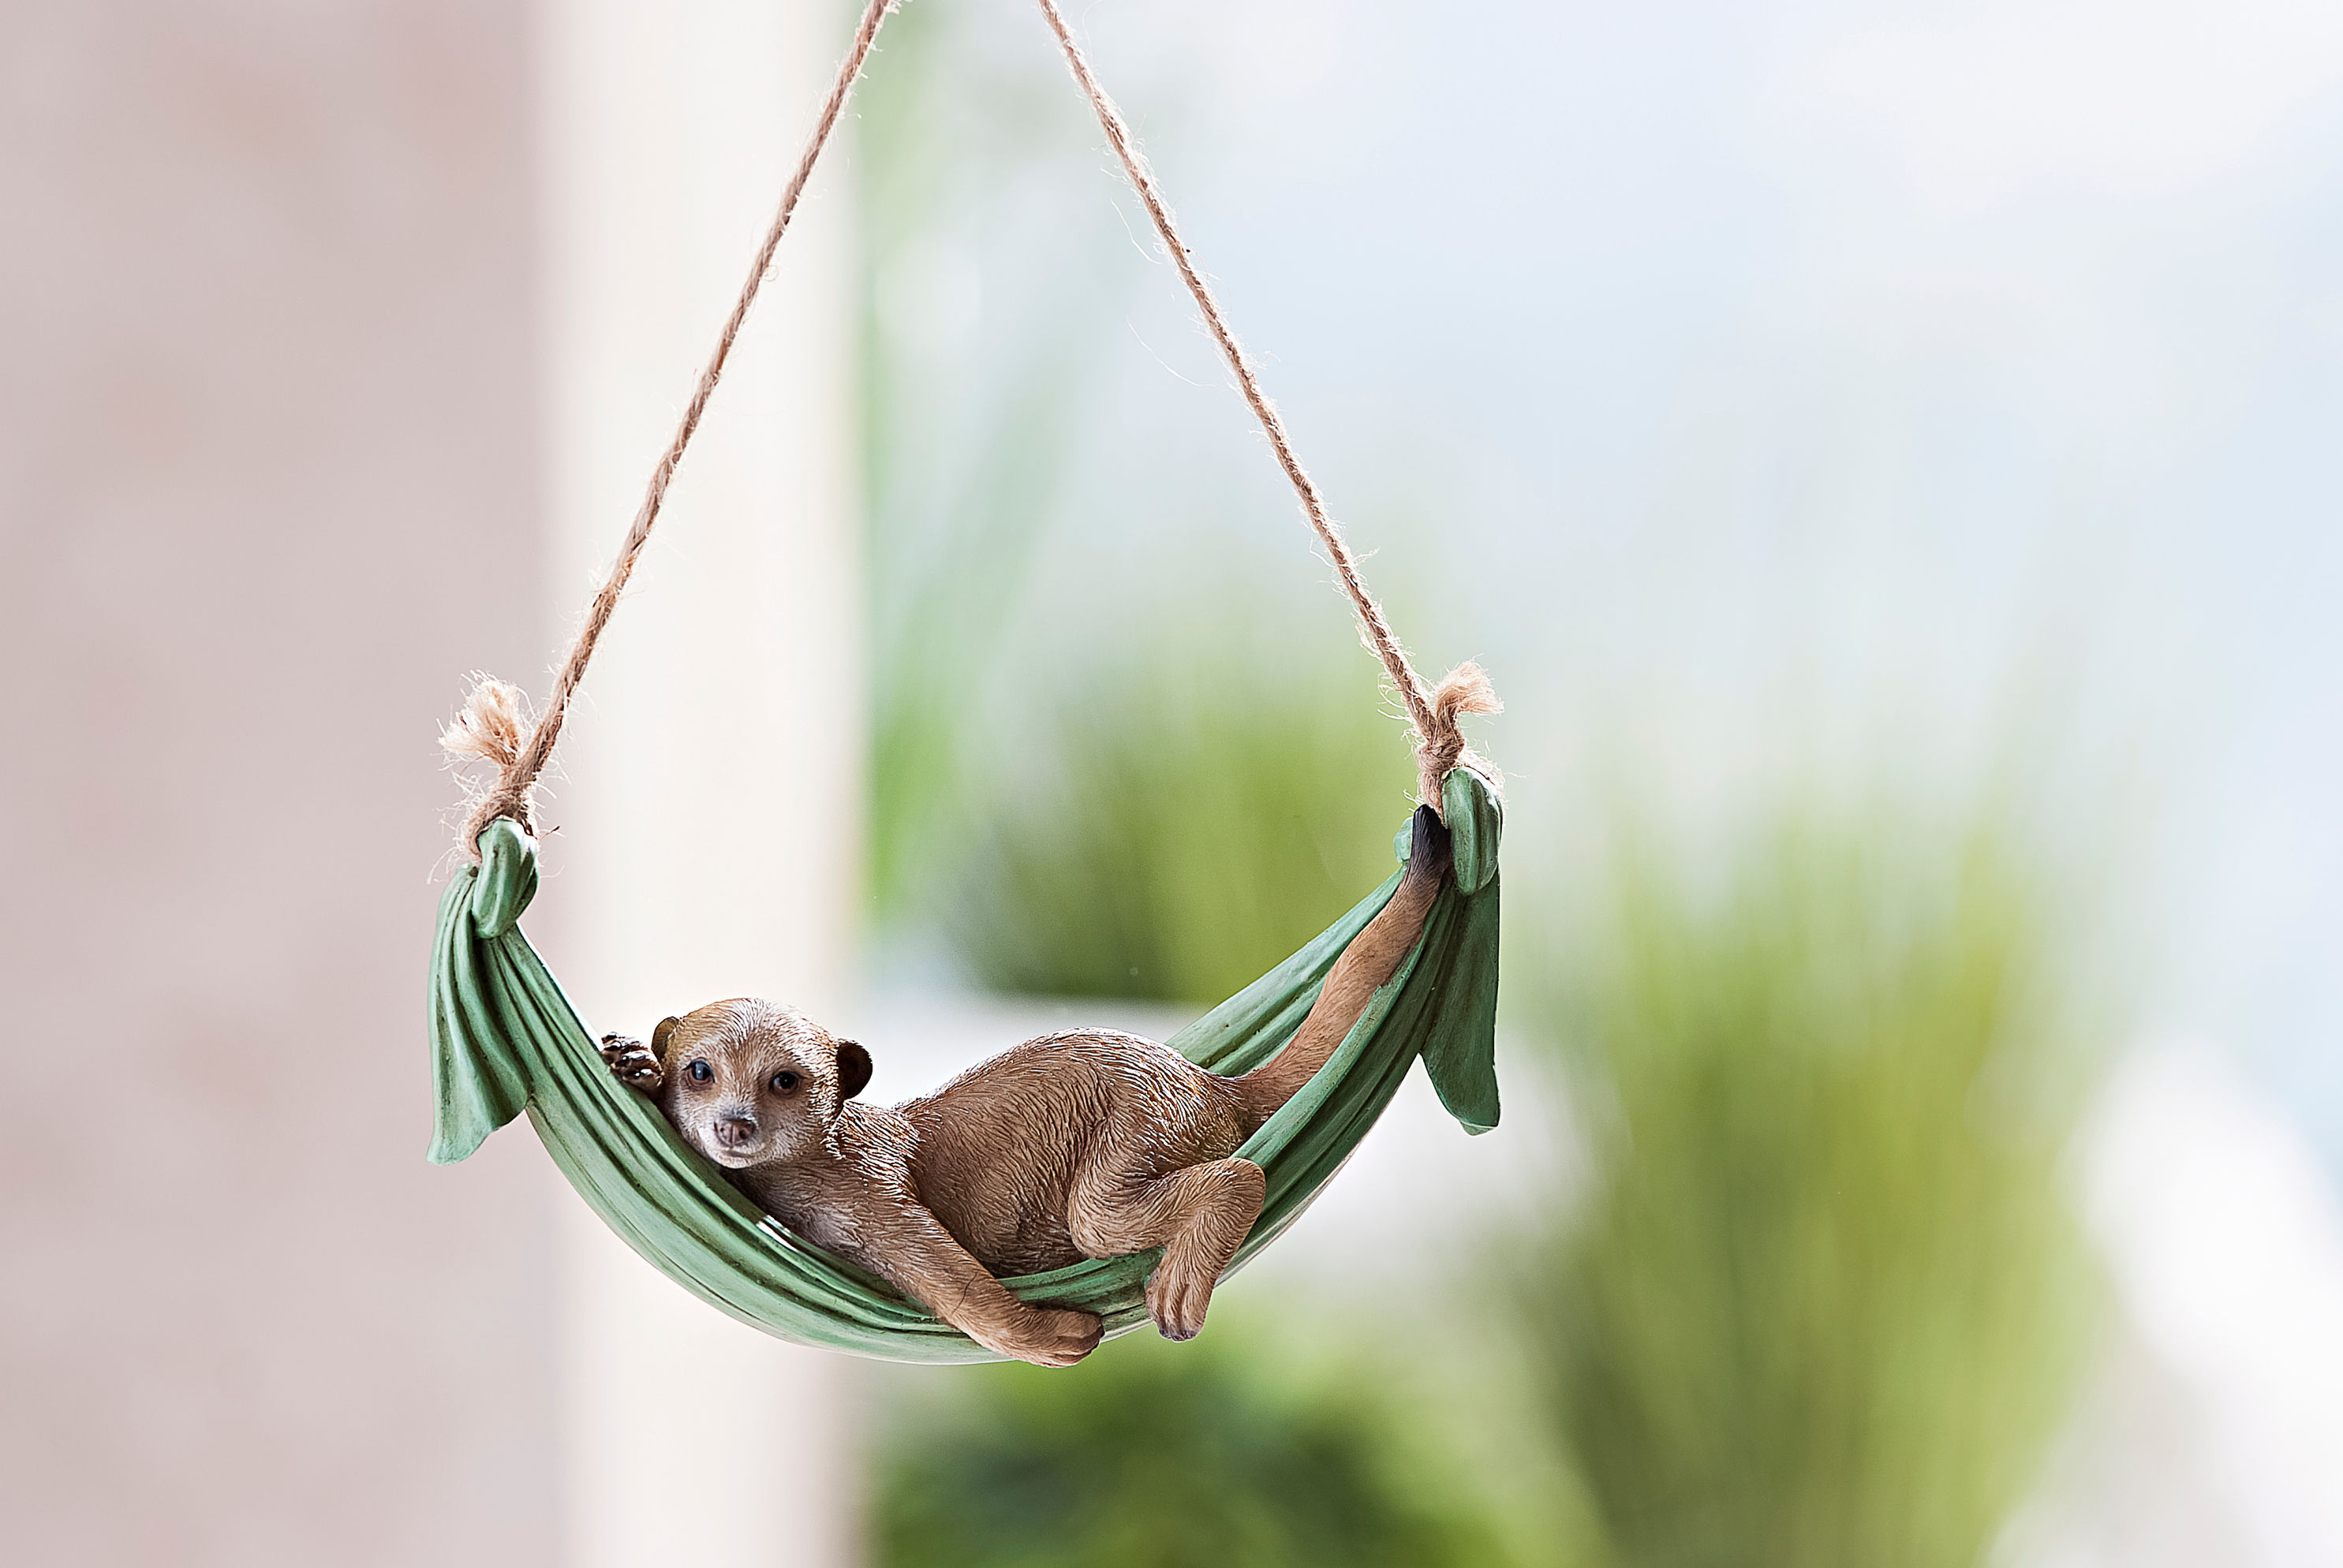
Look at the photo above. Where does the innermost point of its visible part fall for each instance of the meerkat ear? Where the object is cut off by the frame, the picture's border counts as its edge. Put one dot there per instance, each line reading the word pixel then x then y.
pixel 662 1035
pixel 853 1070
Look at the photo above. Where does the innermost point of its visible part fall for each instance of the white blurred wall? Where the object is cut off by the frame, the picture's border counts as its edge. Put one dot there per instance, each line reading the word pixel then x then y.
pixel 339 340
pixel 268 484
pixel 708 835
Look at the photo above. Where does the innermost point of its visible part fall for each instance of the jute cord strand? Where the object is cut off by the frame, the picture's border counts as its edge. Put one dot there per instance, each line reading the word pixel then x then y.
pixel 494 725
pixel 486 728
pixel 1440 745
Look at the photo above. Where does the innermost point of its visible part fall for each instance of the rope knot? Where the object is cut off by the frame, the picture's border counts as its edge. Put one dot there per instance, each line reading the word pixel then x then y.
pixel 492 727
pixel 1440 745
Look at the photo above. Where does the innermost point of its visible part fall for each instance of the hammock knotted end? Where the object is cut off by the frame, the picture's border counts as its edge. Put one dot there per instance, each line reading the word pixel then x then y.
pixel 1440 745
pixel 492 727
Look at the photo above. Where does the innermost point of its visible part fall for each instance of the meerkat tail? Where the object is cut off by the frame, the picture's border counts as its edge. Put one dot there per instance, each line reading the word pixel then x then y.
pixel 1373 956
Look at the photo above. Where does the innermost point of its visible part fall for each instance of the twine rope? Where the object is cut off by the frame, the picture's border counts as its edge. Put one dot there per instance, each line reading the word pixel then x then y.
pixel 492 724
pixel 484 730
pixel 1439 744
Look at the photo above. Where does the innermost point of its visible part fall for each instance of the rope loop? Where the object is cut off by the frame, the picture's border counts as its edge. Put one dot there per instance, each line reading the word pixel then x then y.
pixel 492 724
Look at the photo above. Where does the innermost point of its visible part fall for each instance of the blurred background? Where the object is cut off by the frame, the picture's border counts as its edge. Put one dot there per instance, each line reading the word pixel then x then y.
pixel 1884 453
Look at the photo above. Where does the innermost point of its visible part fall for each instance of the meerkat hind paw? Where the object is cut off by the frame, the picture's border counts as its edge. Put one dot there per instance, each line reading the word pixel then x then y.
pixel 1432 840
pixel 1177 1299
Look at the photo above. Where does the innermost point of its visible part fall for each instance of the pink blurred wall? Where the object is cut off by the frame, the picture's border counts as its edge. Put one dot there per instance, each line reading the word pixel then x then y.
pixel 268 470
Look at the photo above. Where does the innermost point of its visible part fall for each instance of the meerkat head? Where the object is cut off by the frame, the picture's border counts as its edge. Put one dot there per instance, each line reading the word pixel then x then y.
pixel 748 1082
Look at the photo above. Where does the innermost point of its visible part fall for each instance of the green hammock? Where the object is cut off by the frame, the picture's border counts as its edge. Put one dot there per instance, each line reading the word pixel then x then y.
pixel 505 1040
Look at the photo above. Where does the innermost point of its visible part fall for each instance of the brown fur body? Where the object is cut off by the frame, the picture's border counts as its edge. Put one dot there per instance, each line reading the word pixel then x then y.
pixel 1088 1144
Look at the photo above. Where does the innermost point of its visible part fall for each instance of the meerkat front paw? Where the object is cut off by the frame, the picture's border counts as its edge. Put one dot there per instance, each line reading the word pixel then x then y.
pixel 1048 1336
pixel 631 1062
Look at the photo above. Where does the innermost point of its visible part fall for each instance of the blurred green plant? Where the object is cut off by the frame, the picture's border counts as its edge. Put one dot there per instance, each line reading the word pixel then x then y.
pixel 1207 806
pixel 967 425
pixel 1824 1306
pixel 1232 1451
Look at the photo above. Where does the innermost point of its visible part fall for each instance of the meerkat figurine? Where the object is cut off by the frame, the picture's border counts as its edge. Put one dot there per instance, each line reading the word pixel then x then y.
pixel 1087 1144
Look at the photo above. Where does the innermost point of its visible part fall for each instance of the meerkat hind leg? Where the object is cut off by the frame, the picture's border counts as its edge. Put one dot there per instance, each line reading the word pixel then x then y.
pixel 1199 1215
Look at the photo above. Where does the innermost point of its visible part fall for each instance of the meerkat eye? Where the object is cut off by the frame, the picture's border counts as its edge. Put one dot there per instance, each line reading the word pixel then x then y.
pixel 701 1073
pixel 785 1083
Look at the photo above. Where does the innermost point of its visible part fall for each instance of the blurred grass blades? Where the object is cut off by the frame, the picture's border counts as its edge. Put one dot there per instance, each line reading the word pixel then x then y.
pixel 1208 803
pixel 1240 1450
pixel 1825 1307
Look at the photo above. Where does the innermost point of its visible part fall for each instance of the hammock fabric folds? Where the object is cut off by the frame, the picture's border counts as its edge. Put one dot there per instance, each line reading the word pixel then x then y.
pixel 506 1039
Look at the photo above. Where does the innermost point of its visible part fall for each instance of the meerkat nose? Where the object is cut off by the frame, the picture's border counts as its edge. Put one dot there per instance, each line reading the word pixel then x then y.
pixel 732 1132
